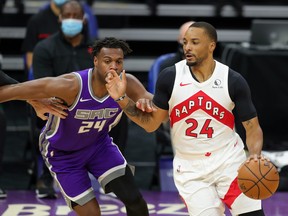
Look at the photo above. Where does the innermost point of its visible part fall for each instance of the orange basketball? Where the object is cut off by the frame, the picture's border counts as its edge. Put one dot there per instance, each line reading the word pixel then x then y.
pixel 258 179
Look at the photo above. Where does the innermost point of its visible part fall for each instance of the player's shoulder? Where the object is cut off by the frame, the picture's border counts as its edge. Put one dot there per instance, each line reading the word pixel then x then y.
pixel 38 17
pixel 168 71
pixel 131 79
pixel 235 76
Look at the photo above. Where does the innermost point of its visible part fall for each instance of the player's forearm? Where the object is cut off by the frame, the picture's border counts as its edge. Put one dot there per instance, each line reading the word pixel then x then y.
pixel 22 91
pixel 254 137
pixel 255 144
pixel 141 118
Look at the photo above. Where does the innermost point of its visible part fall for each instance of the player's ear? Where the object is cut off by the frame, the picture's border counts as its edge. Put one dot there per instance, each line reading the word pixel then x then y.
pixel 212 46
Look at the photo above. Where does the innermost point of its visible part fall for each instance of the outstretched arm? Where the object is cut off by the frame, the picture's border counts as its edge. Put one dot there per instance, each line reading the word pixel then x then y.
pixel 64 87
pixel 118 89
pixel 55 107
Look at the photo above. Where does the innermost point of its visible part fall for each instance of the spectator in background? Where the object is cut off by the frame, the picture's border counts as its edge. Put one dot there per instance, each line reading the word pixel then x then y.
pixel 179 54
pixel 236 4
pixel 40 26
pixel 46 22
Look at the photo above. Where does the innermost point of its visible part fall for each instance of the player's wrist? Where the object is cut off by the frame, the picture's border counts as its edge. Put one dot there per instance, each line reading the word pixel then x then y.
pixel 120 98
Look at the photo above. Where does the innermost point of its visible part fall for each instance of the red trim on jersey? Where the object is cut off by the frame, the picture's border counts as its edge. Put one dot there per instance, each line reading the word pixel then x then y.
pixel 43 36
pixel 200 100
pixel 232 193
pixel 183 200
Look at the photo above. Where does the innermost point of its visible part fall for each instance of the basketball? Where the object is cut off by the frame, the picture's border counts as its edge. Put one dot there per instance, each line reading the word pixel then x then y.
pixel 258 179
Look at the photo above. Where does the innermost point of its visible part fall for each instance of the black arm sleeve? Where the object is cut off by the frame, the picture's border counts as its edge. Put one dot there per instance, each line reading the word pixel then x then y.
pixel 5 79
pixel 164 87
pixel 240 93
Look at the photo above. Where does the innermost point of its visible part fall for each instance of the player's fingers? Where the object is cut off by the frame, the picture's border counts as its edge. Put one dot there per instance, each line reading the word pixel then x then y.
pixel 59 112
pixel 144 105
pixel 43 117
pixel 123 75
pixel 253 157
pixel 108 77
pixel 262 157
pixel 58 103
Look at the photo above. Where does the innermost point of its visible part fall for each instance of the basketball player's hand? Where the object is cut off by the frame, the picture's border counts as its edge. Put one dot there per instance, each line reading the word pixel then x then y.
pixel 146 105
pixel 256 157
pixel 53 106
pixel 116 85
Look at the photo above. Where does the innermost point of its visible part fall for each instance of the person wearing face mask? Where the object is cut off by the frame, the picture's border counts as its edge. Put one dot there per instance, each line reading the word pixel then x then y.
pixel 39 27
pixel 68 48
pixel 45 23
pixel 179 54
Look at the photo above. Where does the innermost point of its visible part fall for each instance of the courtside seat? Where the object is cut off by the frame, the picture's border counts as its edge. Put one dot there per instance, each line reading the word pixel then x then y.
pixel 154 71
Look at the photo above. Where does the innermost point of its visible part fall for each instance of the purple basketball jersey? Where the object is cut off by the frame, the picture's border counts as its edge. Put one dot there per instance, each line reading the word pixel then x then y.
pixel 88 122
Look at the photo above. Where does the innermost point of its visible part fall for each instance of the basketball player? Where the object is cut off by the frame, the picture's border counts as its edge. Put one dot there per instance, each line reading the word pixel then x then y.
pixel 80 144
pixel 198 94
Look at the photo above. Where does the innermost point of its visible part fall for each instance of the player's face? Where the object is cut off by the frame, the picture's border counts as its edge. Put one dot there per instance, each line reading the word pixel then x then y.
pixel 109 59
pixel 197 46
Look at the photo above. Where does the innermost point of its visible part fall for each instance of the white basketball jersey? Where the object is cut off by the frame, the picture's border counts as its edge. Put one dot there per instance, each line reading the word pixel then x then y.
pixel 201 113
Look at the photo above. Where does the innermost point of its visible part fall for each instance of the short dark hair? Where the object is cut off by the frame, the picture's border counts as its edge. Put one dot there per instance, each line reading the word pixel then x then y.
pixel 73 2
pixel 209 29
pixel 110 42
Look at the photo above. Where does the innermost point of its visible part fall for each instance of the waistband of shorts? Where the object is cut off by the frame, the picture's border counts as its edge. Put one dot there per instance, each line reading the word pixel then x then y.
pixel 208 154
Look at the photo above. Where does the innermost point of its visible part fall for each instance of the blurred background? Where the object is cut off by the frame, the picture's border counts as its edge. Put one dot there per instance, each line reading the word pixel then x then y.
pixel 151 29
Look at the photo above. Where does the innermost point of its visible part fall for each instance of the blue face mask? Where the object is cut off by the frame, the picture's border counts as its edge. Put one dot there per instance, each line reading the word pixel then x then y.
pixel 59 3
pixel 71 27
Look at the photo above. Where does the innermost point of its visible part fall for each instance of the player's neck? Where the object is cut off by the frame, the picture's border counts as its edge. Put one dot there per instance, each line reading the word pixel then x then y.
pixel 204 71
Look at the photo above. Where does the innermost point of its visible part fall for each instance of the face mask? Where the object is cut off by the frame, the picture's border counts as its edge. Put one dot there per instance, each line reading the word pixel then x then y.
pixel 71 27
pixel 59 2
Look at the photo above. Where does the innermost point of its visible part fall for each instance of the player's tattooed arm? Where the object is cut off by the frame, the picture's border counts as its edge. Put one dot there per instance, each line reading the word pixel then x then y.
pixel 131 110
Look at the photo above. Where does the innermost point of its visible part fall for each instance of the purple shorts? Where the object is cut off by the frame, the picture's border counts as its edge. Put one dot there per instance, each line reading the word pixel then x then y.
pixel 70 169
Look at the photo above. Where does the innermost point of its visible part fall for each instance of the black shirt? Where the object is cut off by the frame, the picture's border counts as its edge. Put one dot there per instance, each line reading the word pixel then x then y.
pixel 5 79
pixel 55 56
pixel 40 26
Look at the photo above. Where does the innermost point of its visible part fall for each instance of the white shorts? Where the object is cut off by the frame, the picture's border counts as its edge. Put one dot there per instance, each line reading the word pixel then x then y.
pixel 207 184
